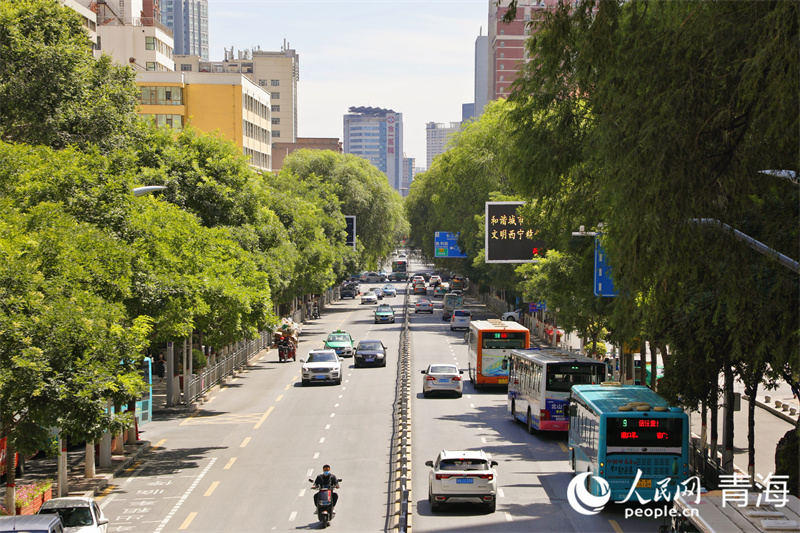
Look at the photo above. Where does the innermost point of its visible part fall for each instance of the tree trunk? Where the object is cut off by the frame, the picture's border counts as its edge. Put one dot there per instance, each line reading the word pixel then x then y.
pixel 653 365
pixel 704 429
pixel 714 407
pixel 727 425
pixel 751 428
pixel 89 468
pixel 11 476
pixel 664 355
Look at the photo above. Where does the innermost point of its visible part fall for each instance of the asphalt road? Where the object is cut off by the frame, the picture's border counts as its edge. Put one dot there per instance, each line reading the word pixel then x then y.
pixel 241 463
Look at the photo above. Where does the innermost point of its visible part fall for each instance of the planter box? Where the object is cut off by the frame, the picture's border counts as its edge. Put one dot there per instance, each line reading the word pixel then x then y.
pixel 34 506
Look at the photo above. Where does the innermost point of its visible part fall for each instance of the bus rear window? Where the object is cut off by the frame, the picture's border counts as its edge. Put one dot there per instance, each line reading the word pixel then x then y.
pixel 504 339
pixel 561 378
pixel 644 432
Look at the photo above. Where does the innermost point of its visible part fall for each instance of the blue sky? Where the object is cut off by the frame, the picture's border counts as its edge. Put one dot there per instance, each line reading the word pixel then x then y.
pixel 413 56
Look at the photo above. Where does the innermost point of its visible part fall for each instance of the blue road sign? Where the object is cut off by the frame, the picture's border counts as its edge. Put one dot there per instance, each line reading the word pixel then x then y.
pixel 446 245
pixel 603 284
pixel 537 306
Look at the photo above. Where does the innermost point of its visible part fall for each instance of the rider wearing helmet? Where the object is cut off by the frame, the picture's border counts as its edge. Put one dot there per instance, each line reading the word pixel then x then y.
pixel 328 481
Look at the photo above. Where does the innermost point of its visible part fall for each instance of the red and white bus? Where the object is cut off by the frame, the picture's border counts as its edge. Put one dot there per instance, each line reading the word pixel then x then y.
pixel 490 343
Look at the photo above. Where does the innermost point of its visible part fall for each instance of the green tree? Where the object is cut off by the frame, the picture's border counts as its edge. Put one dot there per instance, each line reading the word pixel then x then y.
pixel 53 91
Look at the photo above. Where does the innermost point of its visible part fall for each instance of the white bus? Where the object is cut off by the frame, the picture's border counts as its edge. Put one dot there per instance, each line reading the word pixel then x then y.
pixel 540 381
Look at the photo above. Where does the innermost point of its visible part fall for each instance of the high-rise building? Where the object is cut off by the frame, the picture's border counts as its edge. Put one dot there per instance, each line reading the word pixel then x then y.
pixel 130 32
pixel 276 72
pixel 481 90
pixel 506 42
pixel 231 104
pixel 437 136
pixel 377 135
pixel 188 20
pixel 409 171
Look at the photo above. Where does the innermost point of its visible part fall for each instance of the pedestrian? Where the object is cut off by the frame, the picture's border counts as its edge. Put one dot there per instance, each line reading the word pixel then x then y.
pixel 161 364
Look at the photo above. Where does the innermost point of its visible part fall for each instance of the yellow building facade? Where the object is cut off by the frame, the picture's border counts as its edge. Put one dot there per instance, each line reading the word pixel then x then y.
pixel 230 104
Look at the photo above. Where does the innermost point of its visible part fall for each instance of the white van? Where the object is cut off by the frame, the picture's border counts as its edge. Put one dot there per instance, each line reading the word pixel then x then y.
pixel 460 319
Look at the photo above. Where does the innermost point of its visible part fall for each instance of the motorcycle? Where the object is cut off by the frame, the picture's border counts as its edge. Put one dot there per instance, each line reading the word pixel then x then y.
pixel 286 351
pixel 325 512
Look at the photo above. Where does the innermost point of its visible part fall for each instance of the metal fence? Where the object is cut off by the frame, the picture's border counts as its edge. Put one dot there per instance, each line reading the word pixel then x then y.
pixel 211 376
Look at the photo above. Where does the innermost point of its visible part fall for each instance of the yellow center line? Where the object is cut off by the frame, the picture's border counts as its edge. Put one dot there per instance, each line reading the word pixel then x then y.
pixel 133 467
pixel 158 444
pixel 615 526
pixel 289 385
pixel 230 464
pixel 294 378
pixel 211 489
pixel 245 442
pixel 264 417
pixel 279 398
pixel 188 521
pixel 563 447
pixel 108 490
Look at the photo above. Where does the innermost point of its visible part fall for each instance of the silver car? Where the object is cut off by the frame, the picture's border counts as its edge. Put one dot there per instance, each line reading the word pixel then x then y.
pixel 462 476
pixel 442 378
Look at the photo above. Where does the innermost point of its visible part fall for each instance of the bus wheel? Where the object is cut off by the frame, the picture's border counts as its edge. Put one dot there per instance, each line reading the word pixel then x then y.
pixel 530 422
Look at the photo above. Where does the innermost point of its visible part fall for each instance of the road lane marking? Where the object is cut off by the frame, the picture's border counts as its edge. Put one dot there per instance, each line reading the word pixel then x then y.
pixel 472 405
pixel 333 414
pixel 279 398
pixel 188 521
pixel 336 405
pixel 288 385
pixel 615 526
pixel 292 516
pixel 245 442
pixel 230 463
pixel 316 455
pixel 322 440
pixel 158 444
pixel 302 493
pixel 344 388
pixel 500 493
pixel 563 447
pixel 340 396
pixel 327 426
pixel 264 417
pixel 310 471
pixel 211 399
pixel 186 494
pixel 509 518
pixel 211 489
pixel 483 440
pixel 294 378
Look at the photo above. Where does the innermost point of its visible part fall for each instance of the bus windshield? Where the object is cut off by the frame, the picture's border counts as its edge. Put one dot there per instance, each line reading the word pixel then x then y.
pixel 561 378
pixel 644 432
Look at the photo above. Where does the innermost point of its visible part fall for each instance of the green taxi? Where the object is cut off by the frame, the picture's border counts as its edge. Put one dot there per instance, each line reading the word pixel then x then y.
pixel 341 341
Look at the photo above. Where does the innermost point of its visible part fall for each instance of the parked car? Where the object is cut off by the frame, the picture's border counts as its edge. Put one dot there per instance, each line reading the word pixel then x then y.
pixel 78 514
pixel 341 342
pixel 462 476
pixel 423 305
pixel 369 297
pixel 442 378
pixel 512 316
pixel 388 290
pixel 31 523
pixel 460 319
pixel 384 314
pixel 322 366
pixel 370 352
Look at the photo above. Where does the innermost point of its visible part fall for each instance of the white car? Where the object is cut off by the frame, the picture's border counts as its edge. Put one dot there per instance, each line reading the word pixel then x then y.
pixel 388 290
pixel 442 378
pixel 512 316
pixel 369 298
pixel 322 366
pixel 462 476
pixel 460 319
pixel 78 514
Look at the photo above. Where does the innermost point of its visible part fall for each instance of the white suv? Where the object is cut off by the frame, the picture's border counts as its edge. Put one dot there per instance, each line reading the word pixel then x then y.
pixel 462 476
pixel 460 319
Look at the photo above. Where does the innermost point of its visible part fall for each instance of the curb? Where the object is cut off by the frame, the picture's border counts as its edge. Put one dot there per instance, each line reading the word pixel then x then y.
pixel 103 480
pixel 772 410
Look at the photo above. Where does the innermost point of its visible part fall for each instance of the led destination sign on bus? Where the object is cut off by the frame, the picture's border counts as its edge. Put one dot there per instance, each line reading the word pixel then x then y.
pixel 646 432
pixel 504 339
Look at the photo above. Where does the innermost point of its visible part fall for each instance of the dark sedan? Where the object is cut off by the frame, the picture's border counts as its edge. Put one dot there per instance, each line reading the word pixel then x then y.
pixel 370 352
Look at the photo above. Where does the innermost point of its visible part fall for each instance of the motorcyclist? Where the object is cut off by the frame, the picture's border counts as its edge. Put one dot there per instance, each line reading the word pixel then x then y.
pixel 326 480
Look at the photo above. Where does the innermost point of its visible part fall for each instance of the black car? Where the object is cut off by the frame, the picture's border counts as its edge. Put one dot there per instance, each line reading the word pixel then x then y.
pixel 370 352
pixel 348 292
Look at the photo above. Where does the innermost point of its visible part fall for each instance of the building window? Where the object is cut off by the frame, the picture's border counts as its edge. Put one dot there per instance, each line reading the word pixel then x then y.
pixel 150 66
pixel 502 67
pixel 276 133
pixel 275 83
pixel 502 32
pixel 502 44
pixel 173 121
pixel 186 67
pixel 161 95
pixel 276 108
pixel 149 43
pixel 502 55
pixel 263 83
pixel 276 121
pixel 276 96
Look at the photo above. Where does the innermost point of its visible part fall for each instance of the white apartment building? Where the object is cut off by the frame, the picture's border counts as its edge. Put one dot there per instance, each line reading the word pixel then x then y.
pixel 437 136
